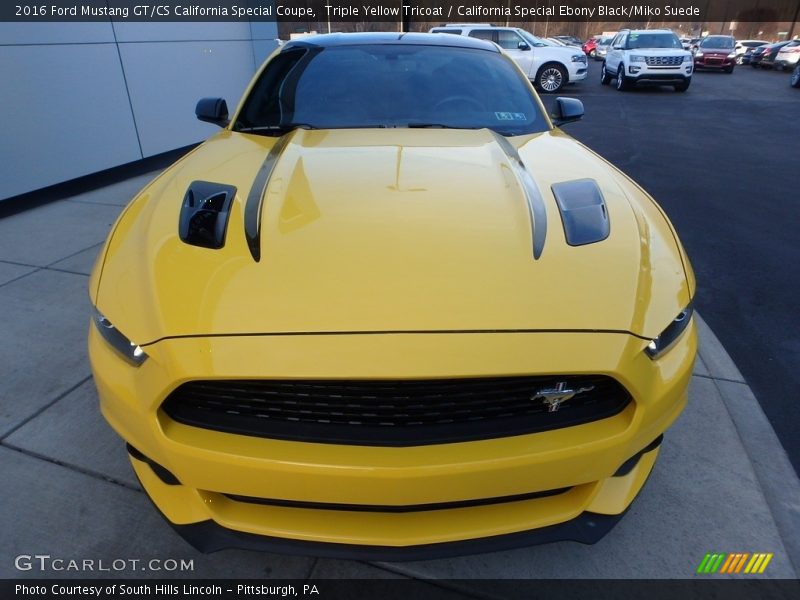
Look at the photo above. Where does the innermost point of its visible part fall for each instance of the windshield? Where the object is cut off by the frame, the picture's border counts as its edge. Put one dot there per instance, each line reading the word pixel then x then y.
pixel 717 41
pixel 391 85
pixel 532 39
pixel 653 40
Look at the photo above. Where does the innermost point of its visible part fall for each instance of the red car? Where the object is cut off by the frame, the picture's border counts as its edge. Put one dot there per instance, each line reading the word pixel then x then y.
pixel 590 46
pixel 716 52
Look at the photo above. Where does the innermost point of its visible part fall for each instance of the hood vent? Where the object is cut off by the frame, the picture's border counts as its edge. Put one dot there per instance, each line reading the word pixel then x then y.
pixel 583 211
pixel 204 214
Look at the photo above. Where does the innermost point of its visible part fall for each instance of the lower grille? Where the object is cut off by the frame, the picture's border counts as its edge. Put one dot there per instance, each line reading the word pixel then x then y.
pixel 394 413
pixel 402 508
pixel 663 61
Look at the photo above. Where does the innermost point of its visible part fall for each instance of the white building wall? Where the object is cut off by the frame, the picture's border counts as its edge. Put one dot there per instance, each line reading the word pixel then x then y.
pixel 77 98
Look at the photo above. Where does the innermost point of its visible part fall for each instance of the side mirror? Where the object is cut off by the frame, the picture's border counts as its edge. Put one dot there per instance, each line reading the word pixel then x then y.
pixel 212 110
pixel 566 110
pixel 617 47
pixel 523 46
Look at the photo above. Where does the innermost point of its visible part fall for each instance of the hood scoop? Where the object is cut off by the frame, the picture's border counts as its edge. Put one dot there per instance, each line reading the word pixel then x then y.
pixel 204 215
pixel 583 211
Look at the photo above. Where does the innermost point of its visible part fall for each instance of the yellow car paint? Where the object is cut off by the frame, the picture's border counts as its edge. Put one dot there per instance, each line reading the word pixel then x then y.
pixel 391 254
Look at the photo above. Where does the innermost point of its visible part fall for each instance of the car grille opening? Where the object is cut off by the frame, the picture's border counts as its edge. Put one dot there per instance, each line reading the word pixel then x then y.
pixel 393 413
pixel 663 61
pixel 398 508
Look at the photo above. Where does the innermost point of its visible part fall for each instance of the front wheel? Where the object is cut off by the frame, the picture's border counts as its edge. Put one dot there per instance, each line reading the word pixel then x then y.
pixel 622 81
pixel 682 87
pixel 739 60
pixel 593 53
pixel 605 78
pixel 551 78
pixel 729 70
pixel 795 81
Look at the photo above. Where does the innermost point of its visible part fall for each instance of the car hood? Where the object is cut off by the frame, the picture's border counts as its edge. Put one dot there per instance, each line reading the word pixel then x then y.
pixel 659 51
pixel 724 51
pixel 390 230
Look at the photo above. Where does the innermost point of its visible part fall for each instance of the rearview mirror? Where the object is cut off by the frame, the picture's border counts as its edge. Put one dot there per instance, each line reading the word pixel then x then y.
pixel 212 110
pixel 566 110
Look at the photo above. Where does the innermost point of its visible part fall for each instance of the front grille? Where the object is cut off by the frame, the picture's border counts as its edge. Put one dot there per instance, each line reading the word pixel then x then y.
pixel 392 413
pixel 663 61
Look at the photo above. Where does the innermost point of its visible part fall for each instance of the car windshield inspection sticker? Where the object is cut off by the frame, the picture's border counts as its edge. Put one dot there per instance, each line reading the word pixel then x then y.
pixel 510 116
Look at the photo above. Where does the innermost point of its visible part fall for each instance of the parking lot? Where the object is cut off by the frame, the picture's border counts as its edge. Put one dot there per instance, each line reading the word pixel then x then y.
pixel 719 158
pixel 722 160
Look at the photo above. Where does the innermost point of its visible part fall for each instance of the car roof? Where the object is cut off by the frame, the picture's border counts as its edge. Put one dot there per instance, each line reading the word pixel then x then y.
pixel 647 31
pixel 329 40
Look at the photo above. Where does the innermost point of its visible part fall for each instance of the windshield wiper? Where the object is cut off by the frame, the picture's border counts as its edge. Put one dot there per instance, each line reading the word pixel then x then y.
pixel 437 126
pixel 275 129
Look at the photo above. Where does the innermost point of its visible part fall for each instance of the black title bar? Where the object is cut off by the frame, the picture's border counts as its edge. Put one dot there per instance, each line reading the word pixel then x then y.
pixel 646 12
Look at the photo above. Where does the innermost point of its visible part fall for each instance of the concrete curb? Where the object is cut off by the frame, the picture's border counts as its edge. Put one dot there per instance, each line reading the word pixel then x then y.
pixel 770 462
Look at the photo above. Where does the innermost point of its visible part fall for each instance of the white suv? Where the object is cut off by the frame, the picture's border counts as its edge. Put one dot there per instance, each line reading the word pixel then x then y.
pixel 647 56
pixel 549 67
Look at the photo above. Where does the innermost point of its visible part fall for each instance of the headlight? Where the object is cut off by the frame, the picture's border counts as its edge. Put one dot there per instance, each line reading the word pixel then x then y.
pixel 688 57
pixel 637 58
pixel 670 335
pixel 130 351
pixel 578 58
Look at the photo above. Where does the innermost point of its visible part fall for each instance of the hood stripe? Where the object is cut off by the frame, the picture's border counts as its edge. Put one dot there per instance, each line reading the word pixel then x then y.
pixel 533 197
pixel 255 199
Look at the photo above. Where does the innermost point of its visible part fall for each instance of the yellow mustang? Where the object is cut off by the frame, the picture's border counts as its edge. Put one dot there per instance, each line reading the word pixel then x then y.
pixel 390 312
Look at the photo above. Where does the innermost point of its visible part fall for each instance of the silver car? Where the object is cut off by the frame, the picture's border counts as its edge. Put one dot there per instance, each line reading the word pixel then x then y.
pixel 788 56
pixel 601 50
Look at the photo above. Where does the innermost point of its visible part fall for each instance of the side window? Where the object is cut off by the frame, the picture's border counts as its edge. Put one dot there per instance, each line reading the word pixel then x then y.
pixel 482 34
pixel 508 40
pixel 617 40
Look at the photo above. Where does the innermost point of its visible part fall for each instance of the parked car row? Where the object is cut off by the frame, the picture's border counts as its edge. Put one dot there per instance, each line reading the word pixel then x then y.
pixel 632 57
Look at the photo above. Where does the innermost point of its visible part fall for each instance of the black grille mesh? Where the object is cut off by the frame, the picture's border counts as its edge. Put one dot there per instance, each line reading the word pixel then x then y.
pixel 391 413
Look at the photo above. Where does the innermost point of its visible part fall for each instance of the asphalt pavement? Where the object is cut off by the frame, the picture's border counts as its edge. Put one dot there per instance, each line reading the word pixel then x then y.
pixel 722 159
pixel 722 483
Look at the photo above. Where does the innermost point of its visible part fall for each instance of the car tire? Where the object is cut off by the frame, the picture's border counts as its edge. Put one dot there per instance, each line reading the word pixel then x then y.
pixel 592 53
pixel 605 78
pixel 795 80
pixel 739 60
pixel 729 70
pixel 682 87
pixel 622 81
pixel 551 78
pixel 754 65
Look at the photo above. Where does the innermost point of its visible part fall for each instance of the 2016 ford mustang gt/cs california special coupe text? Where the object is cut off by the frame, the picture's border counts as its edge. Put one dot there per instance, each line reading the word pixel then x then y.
pixel 390 311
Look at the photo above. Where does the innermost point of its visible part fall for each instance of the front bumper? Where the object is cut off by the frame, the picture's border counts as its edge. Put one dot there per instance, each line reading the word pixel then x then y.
pixel 714 63
pixel 578 71
pixel 641 73
pixel 213 471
